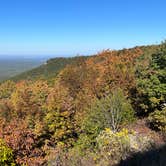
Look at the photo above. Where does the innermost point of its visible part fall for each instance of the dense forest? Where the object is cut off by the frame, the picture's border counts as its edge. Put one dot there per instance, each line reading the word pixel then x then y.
pixel 105 110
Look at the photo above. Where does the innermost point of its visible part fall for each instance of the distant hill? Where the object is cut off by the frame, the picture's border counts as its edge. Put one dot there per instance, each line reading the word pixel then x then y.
pixel 49 69
pixel 12 65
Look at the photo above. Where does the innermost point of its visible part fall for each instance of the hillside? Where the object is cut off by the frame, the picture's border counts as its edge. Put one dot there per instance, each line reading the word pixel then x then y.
pixel 52 67
pixel 12 65
pixel 49 69
pixel 107 109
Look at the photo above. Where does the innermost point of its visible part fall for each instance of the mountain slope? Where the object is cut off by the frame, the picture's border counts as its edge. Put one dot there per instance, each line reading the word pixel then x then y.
pixel 49 69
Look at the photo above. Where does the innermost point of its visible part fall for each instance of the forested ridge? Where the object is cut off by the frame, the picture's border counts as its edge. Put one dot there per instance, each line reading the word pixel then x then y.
pixel 86 111
pixel 49 69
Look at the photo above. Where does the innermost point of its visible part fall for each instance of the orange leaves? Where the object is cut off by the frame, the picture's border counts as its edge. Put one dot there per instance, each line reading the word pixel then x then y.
pixel 29 98
pixel 59 99
pixel 116 68
pixel 23 143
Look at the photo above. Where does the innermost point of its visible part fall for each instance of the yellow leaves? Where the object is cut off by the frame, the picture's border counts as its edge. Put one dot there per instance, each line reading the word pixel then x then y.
pixel 39 128
pixel 154 100
pixel 113 145
pixel 123 132
pixel 107 130
pixel 6 154
pixel 65 113
pixel 59 99
pixel 107 136
pixel 59 133
pixel 60 144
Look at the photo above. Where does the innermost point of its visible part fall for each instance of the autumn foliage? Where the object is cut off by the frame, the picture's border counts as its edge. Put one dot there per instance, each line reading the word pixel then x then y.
pixel 37 118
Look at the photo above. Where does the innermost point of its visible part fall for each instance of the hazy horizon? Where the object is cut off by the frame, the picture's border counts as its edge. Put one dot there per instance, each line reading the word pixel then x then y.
pixel 47 56
pixel 30 56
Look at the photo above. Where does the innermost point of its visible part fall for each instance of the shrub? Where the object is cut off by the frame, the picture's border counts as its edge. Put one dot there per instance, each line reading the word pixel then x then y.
pixel 6 155
pixel 112 111
pixel 157 120
pixel 71 158
pixel 113 146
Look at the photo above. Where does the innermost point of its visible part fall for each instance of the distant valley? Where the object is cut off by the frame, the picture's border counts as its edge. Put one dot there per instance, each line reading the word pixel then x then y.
pixel 12 65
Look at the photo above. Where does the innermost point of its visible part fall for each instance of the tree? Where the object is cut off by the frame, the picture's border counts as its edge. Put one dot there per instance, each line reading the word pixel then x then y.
pixel 151 83
pixel 111 111
pixel 59 119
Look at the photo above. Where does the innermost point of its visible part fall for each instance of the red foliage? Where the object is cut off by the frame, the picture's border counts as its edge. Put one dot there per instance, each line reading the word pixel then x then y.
pixel 23 142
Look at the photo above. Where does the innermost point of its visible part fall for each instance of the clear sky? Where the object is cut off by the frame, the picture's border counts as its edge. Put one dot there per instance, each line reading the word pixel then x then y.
pixel 68 27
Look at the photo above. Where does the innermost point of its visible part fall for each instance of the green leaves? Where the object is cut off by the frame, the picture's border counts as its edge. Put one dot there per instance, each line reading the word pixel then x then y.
pixel 151 82
pixel 110 111
pixel 157 120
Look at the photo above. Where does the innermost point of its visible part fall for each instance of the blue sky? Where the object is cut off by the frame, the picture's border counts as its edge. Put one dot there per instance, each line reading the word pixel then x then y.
pixel 69 27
